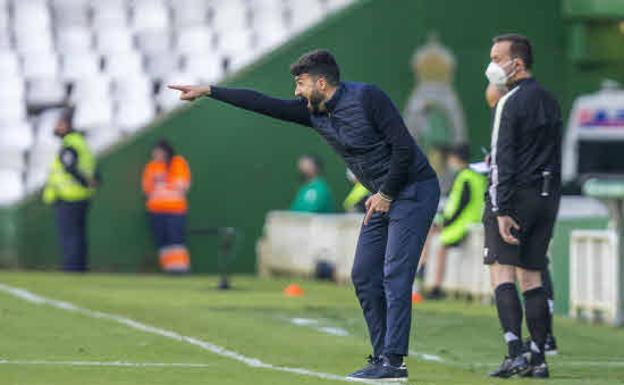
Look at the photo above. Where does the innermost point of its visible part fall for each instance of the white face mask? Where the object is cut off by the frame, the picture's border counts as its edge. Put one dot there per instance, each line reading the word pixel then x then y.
pixel 496 74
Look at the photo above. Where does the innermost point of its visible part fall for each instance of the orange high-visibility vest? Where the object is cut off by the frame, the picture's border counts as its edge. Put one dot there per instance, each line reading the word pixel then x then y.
pixel 166 185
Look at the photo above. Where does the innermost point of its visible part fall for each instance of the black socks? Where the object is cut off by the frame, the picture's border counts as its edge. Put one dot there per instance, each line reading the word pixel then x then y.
pixel 510 316
pixel 395 360
pixel 548 287
pixel 537 314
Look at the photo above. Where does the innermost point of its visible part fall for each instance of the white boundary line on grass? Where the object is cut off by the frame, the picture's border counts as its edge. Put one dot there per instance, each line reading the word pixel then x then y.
pixel 218 350
pixel 121 364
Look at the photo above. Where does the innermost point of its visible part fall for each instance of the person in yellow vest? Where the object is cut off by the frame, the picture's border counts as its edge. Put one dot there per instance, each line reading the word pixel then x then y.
pixel 70 186
pixel 463 208
pixel 355 202
pixel 166 181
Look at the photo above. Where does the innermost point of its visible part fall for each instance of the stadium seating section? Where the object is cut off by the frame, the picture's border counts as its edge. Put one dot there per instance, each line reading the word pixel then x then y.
pixel 111 58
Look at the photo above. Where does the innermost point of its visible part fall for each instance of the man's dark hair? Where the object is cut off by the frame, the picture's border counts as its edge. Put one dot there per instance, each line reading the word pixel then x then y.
pixel 164 145
pixel 520 47
pixel 461 151
pixel 319 62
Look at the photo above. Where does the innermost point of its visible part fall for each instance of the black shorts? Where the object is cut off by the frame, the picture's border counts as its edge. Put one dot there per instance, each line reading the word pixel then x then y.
pixel 536 216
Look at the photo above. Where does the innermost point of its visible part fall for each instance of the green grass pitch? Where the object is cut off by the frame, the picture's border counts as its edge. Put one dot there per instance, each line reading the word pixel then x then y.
pixel 324 332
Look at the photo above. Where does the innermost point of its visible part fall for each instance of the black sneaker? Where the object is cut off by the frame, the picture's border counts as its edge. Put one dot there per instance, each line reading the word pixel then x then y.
pixel 372 362
pixel 383 371
pixel 550 347
pixel 539 371
pixel 512 366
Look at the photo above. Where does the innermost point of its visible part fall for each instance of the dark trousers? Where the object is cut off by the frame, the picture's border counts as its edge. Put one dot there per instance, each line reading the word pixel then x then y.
pixel 386 258
pixel 71 219
pixel 168 229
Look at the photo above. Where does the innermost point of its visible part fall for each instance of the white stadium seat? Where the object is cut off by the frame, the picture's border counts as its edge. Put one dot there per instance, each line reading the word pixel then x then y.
pixel 188 13
pixel 6 43
pixel 31 15
pixel 35 179
pixel 92 113
pixel 40 65
pixel 110 14
pixel 195 39
pixel 150 14
pixel 12 187
pixel 130 117
pixel 42 91
pixel 123 63
pixel 27 41
pixel 206 66
pixel 79 65
pixel 9 64
pixel 73 39
pixel 128 88
pixel 13 158
pixel 91 87
pixel 102 138
pixel 159 65
pixel 18 135
pixel 113 40
pixel 231 15
pixel 153 40
pixel 70 13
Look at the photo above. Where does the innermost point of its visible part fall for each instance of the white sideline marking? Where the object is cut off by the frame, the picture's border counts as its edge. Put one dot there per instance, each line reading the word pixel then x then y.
pixel 218 350
pixel 122 364
pixel 427 357
pixel 314 323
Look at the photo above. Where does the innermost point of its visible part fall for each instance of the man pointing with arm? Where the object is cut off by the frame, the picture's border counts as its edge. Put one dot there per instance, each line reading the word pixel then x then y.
pixel 364 127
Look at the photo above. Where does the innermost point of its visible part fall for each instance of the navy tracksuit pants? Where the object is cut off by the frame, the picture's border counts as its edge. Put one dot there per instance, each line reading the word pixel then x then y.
pixel 71 219
pixel 386 258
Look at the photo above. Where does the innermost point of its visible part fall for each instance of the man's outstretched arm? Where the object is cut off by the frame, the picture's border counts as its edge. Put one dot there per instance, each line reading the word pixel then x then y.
pixel 292 110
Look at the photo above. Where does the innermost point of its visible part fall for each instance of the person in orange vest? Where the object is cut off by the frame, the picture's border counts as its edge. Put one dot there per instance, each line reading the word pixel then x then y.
pixel 166 181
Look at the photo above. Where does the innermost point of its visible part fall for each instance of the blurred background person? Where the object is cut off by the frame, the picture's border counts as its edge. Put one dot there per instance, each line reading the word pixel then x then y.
pixel 314 195
pixel 70 186
pixel 355 202
pixel 166 181
pixel 463 208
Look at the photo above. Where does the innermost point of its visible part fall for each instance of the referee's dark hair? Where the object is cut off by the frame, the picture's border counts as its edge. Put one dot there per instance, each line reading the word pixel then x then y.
pixel 520 47
pixel 319 62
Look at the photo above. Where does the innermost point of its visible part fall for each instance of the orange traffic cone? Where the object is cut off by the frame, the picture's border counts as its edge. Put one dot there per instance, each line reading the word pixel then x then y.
pixel 293 290
pixel 417 298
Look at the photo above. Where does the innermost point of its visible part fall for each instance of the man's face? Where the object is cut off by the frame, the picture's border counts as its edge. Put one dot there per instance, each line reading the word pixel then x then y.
pixel 307 168
pixel 310 87
pixel 501 55
pixel 61 128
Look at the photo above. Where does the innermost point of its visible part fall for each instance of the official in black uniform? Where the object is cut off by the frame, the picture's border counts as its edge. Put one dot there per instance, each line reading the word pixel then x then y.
pixel 522 200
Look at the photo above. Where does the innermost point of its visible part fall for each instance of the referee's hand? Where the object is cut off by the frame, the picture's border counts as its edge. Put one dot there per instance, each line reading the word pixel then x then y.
pixel 190 93
pixel 505 224
pixel 375 203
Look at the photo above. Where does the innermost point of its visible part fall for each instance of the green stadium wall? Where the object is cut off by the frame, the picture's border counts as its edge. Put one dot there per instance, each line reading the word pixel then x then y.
pixel 243 164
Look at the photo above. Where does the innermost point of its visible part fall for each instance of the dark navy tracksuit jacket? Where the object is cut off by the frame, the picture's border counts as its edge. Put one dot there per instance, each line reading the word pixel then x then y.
pixel 365 128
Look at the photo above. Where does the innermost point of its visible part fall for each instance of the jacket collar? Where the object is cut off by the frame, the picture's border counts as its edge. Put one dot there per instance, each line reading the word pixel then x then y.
pixel 330 104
